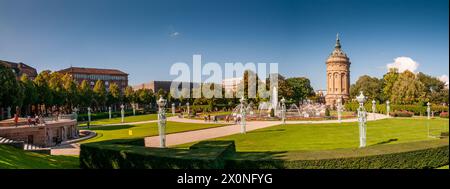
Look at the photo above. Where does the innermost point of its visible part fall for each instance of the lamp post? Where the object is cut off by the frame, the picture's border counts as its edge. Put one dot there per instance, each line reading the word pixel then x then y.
pixel 243 114
pixel 388 108
pixel 9 112
pixel 162 121
pixel 89 117
pixel 173 109
pixel 374 108
pixel 428 110
pixel 188 110
pixel 75 113
pixel 109 111
pixel 339 109
pixel 362 120
pixel 122 112
pixel 283 110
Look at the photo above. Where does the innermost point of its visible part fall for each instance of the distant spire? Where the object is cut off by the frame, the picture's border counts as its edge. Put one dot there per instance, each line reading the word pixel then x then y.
pixel 338 42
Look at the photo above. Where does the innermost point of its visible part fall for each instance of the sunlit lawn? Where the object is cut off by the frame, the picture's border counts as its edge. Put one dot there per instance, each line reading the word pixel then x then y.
pixel 333 136
pixel 13 158
pixel 128 119
pixel 143 130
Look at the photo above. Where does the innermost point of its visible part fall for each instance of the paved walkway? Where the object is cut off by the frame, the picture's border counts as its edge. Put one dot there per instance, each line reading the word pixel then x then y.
pixel 204 134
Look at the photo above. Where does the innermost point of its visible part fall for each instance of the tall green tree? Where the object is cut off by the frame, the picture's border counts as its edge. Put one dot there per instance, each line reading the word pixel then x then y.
pixel 10 90
pixel 56 87
pixel 434 88
pixel 100 94
pixel 70 87
pixel 30 91
pixel 114 94
pixel 371 86
pixel 85 94
pixel 129 95
pixel 388 82
pixel 45 96
pixel 407 89
pixel 301 87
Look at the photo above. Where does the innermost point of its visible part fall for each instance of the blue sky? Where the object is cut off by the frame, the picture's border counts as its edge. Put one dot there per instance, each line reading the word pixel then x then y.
pixel 144 38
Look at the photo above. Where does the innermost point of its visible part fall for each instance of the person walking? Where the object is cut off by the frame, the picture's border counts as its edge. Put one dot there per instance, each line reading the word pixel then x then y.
pixel 16 119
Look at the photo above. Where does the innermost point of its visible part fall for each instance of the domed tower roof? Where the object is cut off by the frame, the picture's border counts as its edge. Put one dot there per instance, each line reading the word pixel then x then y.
pixel 338 55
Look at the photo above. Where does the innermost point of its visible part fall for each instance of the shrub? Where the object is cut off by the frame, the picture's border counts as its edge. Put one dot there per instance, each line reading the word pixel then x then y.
pixel 443 115
pixel 381 108
pixel 130 154
pixel 327 112
pixel 401 114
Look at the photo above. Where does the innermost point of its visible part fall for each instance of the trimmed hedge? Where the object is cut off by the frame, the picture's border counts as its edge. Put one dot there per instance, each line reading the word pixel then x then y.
pixel 401 114
pixel 131 154
pixel 381 108
pixel 416 155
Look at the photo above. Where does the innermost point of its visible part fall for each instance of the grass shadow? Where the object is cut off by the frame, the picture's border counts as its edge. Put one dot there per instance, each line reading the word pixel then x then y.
pixel 110 128
pixel 387 141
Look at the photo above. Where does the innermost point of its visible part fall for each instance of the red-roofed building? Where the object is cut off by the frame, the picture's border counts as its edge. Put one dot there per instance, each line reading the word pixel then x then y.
pixel 91 75
pixel 20 69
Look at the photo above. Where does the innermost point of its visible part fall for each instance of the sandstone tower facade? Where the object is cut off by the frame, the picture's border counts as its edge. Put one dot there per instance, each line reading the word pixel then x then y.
pixel 338 76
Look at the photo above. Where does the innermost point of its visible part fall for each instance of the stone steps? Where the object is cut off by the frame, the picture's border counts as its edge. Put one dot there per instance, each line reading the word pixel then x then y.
pixel 25 146
pixel 5 141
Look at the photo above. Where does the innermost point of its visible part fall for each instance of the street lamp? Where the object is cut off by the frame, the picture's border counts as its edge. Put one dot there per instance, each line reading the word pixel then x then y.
pixel 362 120
pixel 173 109
pixel 162 121
pixel 243 114
pixel 283 110
pixel 339 109
pixel 89 116
pixel 75 113
pixel 388 108
pixel 109 111
pixel 374 108
pixel 428 110
pixel 122 112
pixel 188 111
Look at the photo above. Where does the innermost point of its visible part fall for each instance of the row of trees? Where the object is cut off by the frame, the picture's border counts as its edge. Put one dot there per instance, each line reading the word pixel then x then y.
pixel 294 89
pixel 51 90
pixel 61 91
pixel 402 88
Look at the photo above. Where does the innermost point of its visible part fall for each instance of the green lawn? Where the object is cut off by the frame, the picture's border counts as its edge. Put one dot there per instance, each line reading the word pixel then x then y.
pixel 143 130
pixel 13 158
pixel 128 119
pixel 333 136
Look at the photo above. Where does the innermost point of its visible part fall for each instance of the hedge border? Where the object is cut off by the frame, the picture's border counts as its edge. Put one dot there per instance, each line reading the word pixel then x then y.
pixel 131 154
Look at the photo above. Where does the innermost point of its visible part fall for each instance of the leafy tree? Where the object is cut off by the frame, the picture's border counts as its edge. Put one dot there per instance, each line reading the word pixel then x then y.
pixel 129 95
pixel 114 94
pixel 301 87
pixel 70 87
pixel 371 86
pixel 86 94
pixel 432 88
pixel 45 96
pixel 388 82
pixel 284 88
pixel 57 90
pixel 162 93
pixel 144 96
pixel 407 89
pixel 100 94
pixel 10 90
pixel 30 90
